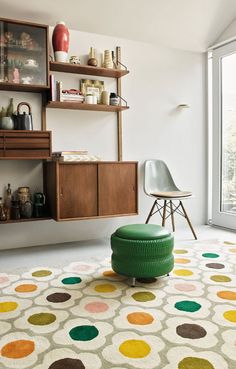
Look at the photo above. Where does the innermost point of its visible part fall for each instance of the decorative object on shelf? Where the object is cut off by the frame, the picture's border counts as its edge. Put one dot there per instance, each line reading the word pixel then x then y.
pixel 114 99
pixel 108 62
pixel 92 58
pixel 89 99
pixel 24 198
pixel 39 204
pixel 7 202
pixel 16 76
pixel 15 209
pixel 7 121
pixel 2 211
pixel 89 86
pixel 31 63
pixel 105 99
pixel 27 41
pixel 27 209
pixel 114 60
pixel 74 59
pixel 60 42
pixel 27 80
pixel 23 121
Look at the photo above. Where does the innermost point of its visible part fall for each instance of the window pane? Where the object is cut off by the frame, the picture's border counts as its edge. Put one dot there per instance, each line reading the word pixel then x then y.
pixel 228 144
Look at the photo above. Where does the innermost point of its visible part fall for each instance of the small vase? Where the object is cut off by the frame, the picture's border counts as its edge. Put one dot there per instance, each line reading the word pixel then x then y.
pixel 7 123
pixel 60 42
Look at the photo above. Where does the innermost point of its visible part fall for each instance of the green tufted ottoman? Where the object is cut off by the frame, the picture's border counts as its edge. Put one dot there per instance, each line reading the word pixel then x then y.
pixel 142 251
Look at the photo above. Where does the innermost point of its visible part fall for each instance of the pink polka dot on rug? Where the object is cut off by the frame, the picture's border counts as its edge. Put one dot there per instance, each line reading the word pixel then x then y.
pixel 96 307
pixel 185 287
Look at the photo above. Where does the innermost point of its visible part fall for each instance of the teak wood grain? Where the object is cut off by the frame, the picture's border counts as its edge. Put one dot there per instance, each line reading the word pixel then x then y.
pixel 117 188
pixel 77 190
pixel 25 144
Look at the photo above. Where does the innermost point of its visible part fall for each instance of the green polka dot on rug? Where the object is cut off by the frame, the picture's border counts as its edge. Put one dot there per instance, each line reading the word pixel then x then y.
pixel 84 333
pixel 210 255
pixel 71 280
pixel 188 306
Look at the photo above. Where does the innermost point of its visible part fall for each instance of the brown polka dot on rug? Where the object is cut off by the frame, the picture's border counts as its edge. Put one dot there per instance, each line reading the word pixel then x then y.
pixel 192 331
pixel 58 297
pixel 67 364
pixel 215 266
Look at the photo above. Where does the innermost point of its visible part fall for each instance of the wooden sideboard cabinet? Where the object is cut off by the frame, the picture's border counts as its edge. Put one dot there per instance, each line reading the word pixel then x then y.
pixel 82 190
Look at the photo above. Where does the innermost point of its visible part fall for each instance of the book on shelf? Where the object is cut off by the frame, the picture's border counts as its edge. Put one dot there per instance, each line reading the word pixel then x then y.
pixel 80 155
pixel 72 152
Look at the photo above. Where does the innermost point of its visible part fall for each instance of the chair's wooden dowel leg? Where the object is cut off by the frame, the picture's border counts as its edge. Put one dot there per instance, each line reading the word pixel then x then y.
pixel 188 220
pixel 164 214
pixel 150 214
pixel 172 216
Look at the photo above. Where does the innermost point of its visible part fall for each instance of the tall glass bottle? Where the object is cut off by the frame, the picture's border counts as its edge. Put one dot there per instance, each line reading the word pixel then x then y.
pixel 7 203
pixel 2 211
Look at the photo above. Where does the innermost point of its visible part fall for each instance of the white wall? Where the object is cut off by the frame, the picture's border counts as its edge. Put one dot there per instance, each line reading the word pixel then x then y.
pixel 159 80
pixel 229 32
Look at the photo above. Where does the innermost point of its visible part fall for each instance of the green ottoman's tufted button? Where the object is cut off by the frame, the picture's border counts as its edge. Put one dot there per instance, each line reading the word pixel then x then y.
pixel 142 232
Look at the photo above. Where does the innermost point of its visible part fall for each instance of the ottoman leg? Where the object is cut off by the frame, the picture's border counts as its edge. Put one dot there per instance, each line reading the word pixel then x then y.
pixel 133 282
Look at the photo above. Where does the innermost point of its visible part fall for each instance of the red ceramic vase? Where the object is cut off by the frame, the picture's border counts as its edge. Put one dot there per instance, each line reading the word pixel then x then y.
pixel 60 42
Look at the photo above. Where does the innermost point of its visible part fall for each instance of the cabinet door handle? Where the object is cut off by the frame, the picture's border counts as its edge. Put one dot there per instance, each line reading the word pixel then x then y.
pixel 61 192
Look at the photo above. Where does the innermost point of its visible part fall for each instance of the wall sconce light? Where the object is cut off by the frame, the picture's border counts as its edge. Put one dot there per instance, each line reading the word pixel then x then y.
pixel 183 106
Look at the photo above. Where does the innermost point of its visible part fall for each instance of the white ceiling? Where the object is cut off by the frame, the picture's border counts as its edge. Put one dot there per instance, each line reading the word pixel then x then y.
pixel 183 24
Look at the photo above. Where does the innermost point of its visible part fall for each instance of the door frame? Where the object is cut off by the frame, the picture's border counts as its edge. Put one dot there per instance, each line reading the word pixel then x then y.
pixel 219 218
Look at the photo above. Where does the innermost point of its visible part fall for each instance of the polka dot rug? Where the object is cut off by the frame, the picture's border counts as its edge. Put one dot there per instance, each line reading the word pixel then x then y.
pixel 85 316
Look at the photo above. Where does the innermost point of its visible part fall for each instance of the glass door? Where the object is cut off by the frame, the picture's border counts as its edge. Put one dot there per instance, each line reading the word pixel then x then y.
pixel 224 136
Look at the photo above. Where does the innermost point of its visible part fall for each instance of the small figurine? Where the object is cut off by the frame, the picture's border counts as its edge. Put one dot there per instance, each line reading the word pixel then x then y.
pixel 16 75
pixel 27 80
pixel 74 59
pixel 8 37
pixel 27 41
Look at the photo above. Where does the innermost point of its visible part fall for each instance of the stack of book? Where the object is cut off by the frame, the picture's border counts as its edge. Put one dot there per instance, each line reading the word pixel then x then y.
pixel 72 95
pixel 59 94
pixel 80 155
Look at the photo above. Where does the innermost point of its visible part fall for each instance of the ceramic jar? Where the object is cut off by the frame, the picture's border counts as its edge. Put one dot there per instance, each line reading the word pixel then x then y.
pixel 105 98
pixel 7 123
pixel 108 62
pixel 114 99
pixel 60 42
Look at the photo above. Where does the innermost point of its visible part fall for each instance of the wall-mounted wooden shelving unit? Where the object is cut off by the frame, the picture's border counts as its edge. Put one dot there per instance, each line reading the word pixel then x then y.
pixel 74 190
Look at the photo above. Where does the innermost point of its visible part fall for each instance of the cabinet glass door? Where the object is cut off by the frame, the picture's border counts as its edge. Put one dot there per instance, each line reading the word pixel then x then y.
pixel 23 54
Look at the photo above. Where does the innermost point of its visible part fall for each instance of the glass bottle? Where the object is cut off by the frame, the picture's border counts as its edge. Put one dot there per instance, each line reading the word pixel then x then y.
pixel 2 211
pixel 15 209
pixel 10 108
pixel 7 202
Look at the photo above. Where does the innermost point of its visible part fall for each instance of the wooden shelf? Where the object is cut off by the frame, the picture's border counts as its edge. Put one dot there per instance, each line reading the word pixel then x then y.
pixel 87 70
pixel 9 86
pixel 82 106
pixel 22 220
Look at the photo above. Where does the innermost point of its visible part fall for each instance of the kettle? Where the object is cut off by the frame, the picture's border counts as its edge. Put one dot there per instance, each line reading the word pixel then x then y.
pixel 23 121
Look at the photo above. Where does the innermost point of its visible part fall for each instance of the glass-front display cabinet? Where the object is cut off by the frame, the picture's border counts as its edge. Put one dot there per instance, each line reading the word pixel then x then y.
pixel 23 56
